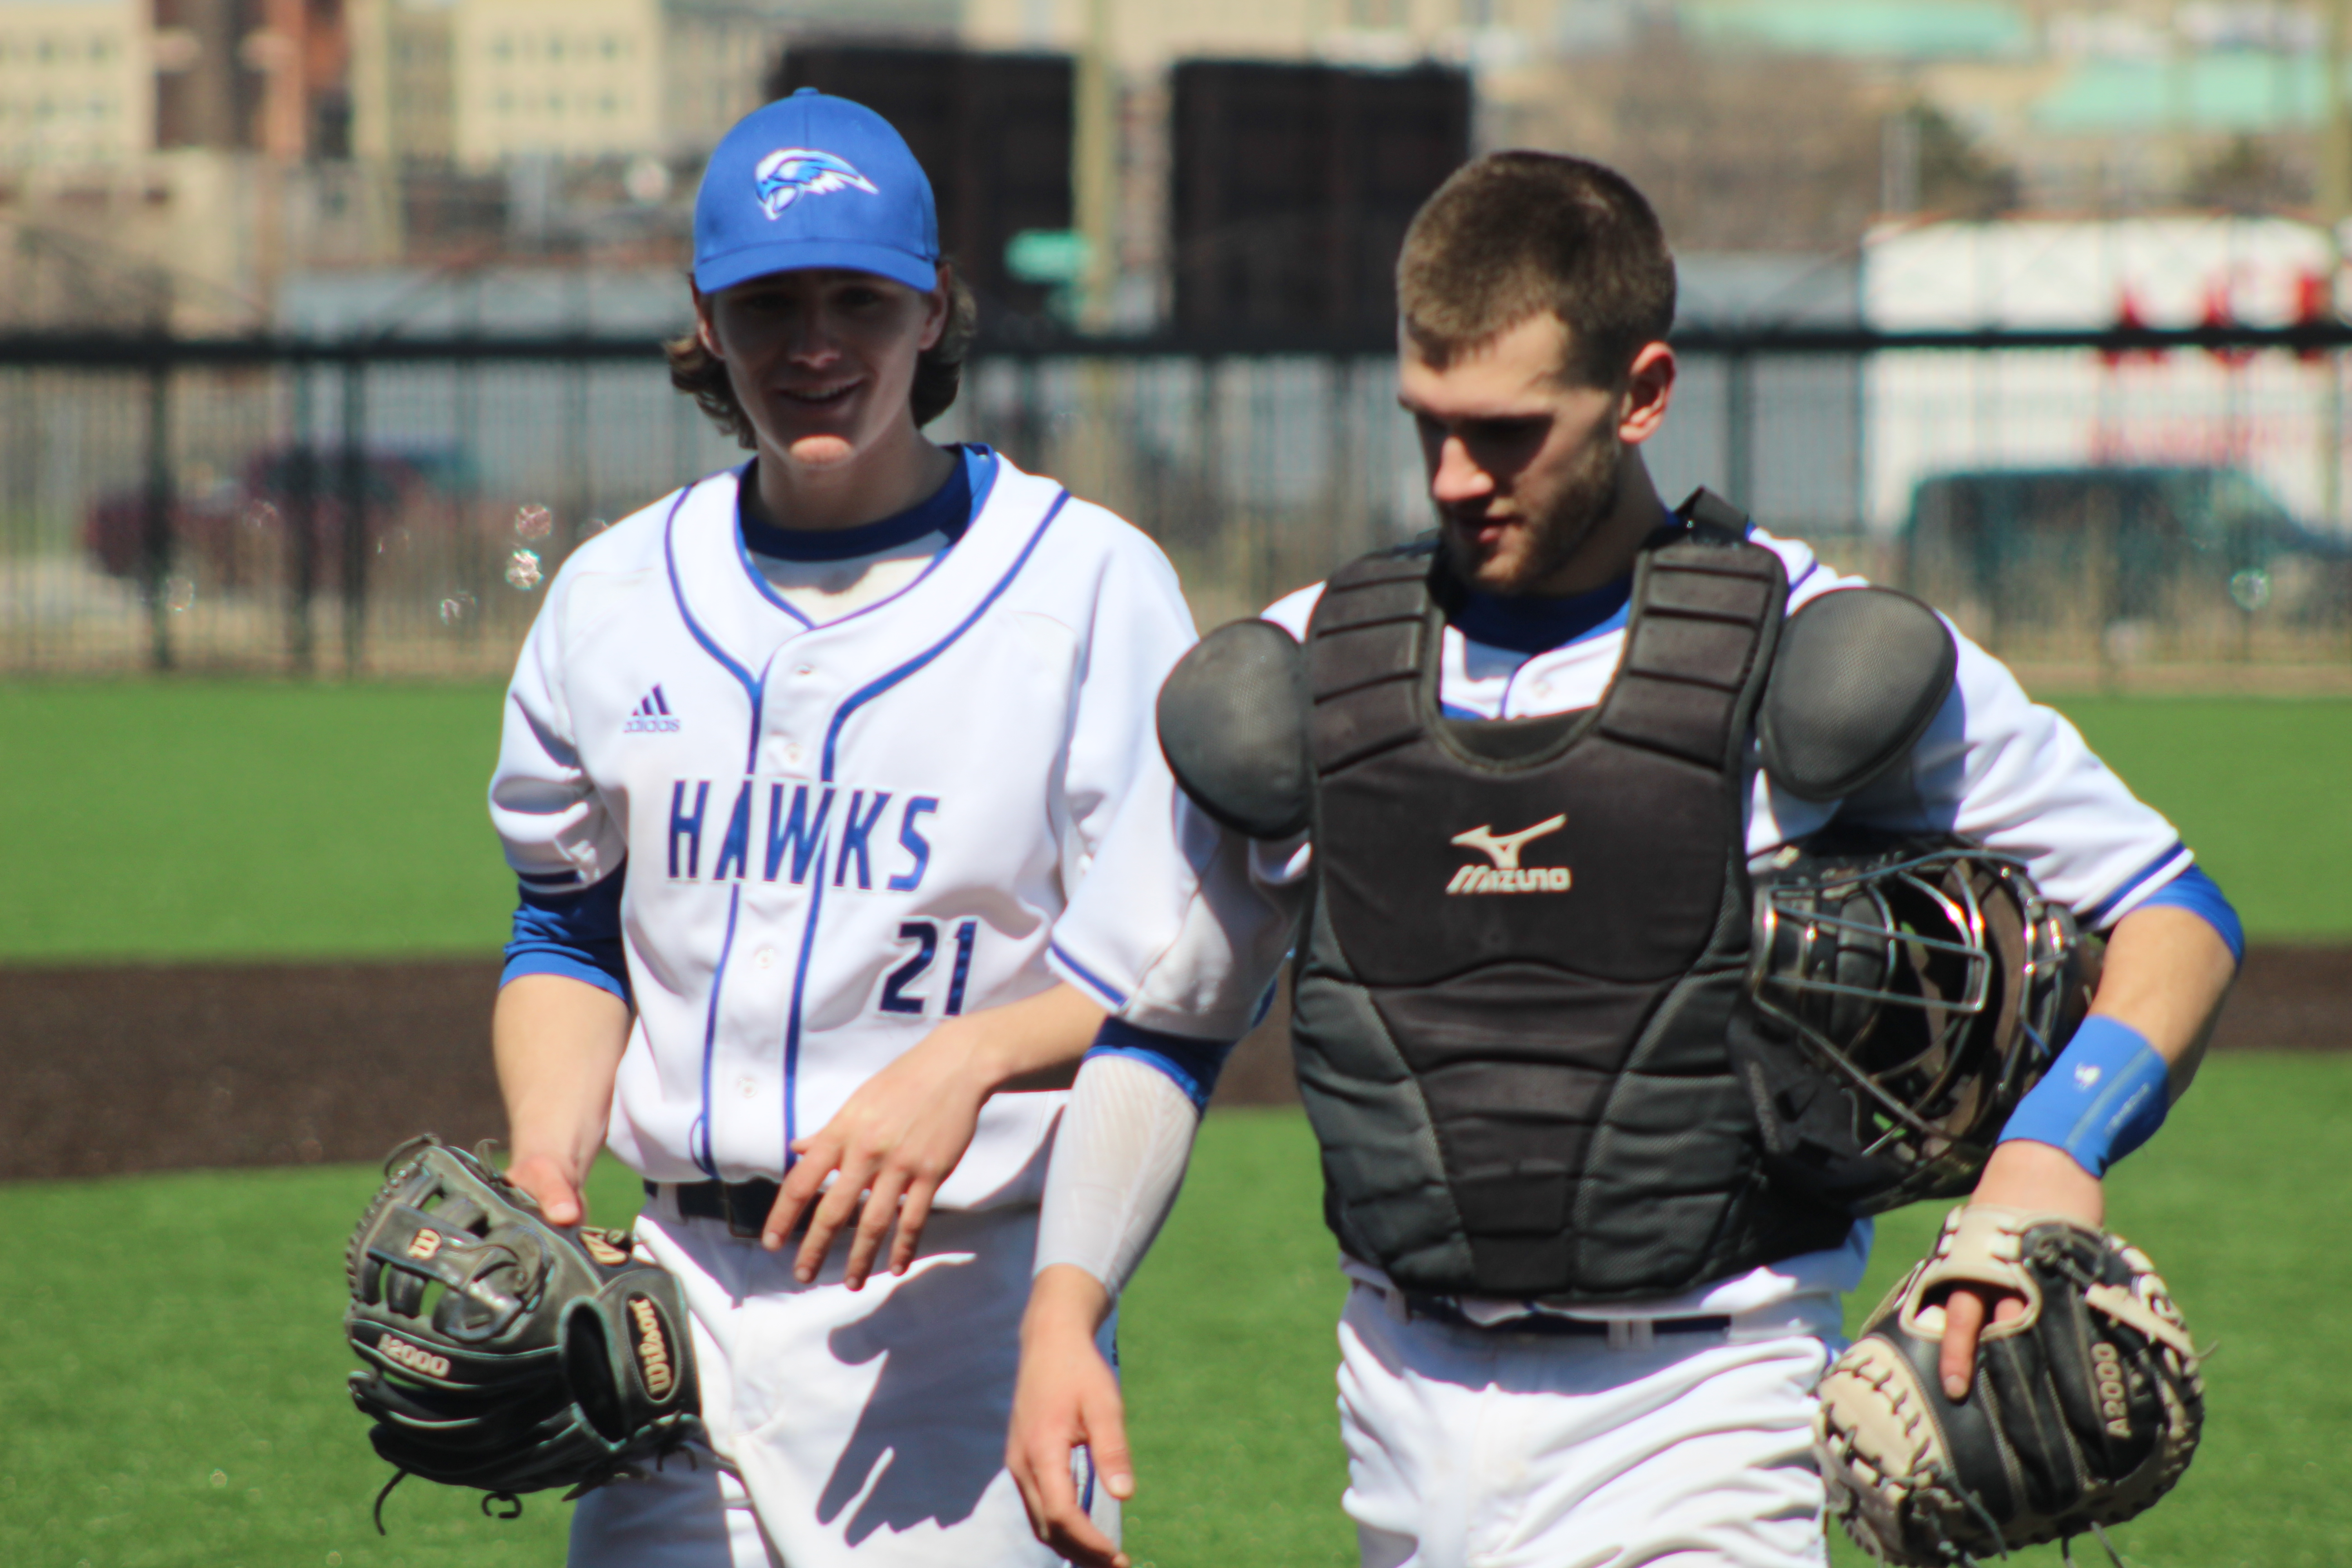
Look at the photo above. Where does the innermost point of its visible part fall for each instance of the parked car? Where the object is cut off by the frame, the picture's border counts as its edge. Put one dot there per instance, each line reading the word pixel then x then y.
pixel 240 531
pixel 2136 534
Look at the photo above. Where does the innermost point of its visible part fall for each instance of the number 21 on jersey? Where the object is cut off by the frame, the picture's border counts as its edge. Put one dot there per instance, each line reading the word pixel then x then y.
pixel 925 935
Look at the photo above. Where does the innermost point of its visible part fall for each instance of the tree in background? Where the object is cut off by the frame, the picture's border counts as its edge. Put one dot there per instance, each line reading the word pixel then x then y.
pixel 2249 174
pixel 1956 177
pixel 1738 151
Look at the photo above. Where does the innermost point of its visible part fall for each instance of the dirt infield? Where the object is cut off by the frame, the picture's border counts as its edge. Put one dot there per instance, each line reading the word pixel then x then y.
pixel 175 1066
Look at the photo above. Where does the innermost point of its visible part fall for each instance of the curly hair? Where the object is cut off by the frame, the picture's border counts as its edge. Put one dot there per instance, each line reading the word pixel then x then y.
pixel 938 370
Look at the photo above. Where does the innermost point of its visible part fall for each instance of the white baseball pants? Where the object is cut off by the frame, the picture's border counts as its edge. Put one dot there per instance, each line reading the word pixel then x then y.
pixel 848 1430
pixel 1483 1449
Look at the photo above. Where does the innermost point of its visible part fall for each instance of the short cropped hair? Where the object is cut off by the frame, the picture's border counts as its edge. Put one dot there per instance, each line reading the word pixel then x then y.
pixel 1514 234
pixel 938 370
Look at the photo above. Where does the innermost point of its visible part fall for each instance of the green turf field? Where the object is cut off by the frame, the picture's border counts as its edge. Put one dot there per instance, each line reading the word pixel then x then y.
pixel 2259 787
pixel 248 820
pixel 228 820
pixel 169 1359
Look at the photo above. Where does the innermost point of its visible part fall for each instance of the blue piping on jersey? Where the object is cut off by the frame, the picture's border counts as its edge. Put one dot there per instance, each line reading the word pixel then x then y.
pixel 874 688
pixel 705 1158
pixel 986 469
pixel 754 686
pixel 1117 999
pixel 816 887
pixel 800 989
pixel 2096 916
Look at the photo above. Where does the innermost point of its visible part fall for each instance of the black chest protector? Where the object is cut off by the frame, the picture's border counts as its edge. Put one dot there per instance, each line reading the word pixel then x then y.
pixel 1526 945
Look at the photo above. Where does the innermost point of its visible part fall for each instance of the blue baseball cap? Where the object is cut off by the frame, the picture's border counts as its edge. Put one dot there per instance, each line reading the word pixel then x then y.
pixel 813 181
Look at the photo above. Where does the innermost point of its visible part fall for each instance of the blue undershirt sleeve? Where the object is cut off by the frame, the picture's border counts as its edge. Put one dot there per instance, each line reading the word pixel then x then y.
pixel 2198 894
pixel 1194 1065
pixel 577 935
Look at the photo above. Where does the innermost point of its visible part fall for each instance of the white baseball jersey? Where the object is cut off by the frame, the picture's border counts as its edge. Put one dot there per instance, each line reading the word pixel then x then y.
pixel 833 834
pixel 1182 927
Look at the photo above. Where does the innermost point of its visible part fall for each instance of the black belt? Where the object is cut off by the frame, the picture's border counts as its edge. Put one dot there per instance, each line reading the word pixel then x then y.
pixel 1553 1324
pixel 744 1205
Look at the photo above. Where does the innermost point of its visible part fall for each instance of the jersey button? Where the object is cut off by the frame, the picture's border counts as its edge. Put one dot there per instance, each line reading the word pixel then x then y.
pixel 746 1087
pixel 804 671
pixel 765 958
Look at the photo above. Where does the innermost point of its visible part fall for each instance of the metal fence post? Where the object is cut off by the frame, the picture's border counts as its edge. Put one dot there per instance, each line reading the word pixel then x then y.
pixel 356 539
pixel 1739 428
pixel 156 534
pixel 301 527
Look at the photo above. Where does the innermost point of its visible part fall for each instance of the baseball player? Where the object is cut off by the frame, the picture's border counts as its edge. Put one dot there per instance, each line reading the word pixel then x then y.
pixel 800 765
pixel 1584 1327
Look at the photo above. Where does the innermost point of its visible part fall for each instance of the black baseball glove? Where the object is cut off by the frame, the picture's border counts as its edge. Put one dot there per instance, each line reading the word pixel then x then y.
pixel 2084 1410
pixel 504 1352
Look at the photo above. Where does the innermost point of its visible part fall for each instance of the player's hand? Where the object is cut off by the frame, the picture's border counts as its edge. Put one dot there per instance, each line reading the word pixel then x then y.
pixel 894 1143
pixel 1067 1398
pixel 555 1189
pixel 2023 1175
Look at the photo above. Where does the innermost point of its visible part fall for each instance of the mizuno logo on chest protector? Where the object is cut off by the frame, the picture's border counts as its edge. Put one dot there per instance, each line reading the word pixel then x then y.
pixel 651 716
pixel 1506 875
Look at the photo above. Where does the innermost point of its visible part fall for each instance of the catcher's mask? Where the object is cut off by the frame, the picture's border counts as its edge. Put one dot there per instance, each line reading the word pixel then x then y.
pixel 1904 993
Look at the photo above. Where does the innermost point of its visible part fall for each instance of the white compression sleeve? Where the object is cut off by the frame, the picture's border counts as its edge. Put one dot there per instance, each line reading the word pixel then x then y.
pixel 1118 1162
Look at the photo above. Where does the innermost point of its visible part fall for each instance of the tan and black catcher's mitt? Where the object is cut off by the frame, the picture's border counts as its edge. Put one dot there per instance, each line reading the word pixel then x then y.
pixel 502 1352
pixel 2084 1410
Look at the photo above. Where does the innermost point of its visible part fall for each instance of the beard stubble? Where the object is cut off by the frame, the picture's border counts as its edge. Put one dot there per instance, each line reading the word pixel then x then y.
pixel 1587 495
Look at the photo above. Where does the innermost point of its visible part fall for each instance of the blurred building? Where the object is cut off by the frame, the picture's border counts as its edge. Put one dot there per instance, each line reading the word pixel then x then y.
pixel 76 81
pixel 261 76
pixel 476 83
pixel 1146 37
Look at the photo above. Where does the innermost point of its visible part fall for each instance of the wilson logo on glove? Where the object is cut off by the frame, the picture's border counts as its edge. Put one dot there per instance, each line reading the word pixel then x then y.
pixel 600 1248
pixel 653 1347
pixel 502 1352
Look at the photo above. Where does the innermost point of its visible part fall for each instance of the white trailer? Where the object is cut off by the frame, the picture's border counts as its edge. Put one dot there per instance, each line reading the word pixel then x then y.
pixel 1931 413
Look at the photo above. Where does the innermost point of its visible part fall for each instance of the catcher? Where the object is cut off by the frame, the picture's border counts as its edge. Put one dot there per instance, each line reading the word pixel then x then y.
pixel 1606 1034
pixel 505 1352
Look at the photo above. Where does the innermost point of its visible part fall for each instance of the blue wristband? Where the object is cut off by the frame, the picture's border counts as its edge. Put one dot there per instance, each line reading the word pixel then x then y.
pixel 2103 1097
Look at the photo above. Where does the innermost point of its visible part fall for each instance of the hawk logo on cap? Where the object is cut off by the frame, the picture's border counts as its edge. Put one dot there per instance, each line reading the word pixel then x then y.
pixel 788 174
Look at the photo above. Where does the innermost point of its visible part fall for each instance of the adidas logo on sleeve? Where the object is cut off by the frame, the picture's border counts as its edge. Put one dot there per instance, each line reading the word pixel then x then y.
pixel 651 716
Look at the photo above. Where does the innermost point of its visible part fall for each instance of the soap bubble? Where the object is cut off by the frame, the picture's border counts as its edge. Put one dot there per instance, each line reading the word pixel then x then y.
pixel 533 522
pixel 260 518
pixel 179 593
pixel 392 541
pixel 220 1478
pixel 456 609
pixel 2250 588
pixel 522 570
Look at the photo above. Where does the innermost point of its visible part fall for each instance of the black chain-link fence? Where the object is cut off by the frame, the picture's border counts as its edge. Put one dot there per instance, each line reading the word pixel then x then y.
pixel 392 507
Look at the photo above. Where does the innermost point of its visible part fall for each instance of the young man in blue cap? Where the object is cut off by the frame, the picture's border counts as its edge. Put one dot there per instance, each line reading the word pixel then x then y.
pixel 800 766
